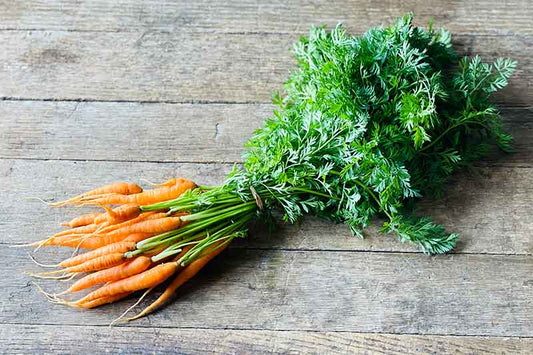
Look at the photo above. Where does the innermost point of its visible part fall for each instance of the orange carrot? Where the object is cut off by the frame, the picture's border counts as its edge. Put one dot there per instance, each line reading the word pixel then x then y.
pixel 104 300
pixel 90 228
pixel 82 220
pixel 68 240
pixel 120 247
pixel 95 242
pixel 147 279
pixel 137 237
pixel 142 217
pixel 151 226
pixel 155 226
pixel 119 214
pixel 146 197
pixel 86 241
pixel 98 263
pixel 119 272
pixel 122 188
pixel 167 183
pixel 185 275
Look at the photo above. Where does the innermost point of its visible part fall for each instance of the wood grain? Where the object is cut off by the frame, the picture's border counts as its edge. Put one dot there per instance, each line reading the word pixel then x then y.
pixel 223 341
pixel 487 295
pixel 148 132
pixel 166 132
pixel 185 67
pixel 476 17
pixel 490 207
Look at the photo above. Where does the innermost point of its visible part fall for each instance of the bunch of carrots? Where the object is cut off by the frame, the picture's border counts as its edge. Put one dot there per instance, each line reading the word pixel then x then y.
pixel 368 124
pixel 132 245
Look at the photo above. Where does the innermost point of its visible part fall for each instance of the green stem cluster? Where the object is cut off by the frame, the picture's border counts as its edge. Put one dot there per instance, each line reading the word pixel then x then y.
pixel 216 217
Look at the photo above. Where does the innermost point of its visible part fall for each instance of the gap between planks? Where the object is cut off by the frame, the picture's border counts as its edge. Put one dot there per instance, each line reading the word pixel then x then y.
pixel 184 102
pixel 215 32
pixel 167 102
pixel 479 164
pixel 350 251
pixel 205 162
pixel 130 326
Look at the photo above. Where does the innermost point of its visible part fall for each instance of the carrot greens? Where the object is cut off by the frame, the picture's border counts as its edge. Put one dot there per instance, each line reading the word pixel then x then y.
pixel 366 124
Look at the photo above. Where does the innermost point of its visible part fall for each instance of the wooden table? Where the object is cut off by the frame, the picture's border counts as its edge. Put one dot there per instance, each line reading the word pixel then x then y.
pixel 99 91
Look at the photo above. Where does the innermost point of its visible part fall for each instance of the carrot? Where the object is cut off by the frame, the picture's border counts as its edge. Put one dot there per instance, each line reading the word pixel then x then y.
pixel 118 272
pixel 87 241
pixel 119 214
pixel 142 217
pixel 63 240
pixel 120 247
pixel 137 237
pixel 167 183
pixel 82 220
pixel 185 275
pixel 98 242
pixel 122 188
pixel 151 226
pixel 144 198
pixel 98 263
pixel 74 233
pixel 147 279
pixel 91 242
pixel 90 228
pixel 104 300
pixel 154 226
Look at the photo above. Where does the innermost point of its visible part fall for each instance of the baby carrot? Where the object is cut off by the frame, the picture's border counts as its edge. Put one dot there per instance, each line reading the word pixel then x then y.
pixel 147 279
pixel 151 226
pixel 122 188
pixel 82 220
pixel 185 275
pixel 104 300
pixel 119 272
pixel 98 263
pixel 119 214
pixel 119 247
pixel 146 197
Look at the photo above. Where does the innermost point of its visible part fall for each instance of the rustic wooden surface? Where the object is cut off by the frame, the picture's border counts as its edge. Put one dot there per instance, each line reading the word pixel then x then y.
pixel 98 91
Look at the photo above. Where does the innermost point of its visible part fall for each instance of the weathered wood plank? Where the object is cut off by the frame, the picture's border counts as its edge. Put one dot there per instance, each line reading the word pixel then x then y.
pixel 164 132
pixel 184 67
pixel 480 17
pixel 404 293
pixel 45 339
pixel 142 67
pixel 490 208
pixel 148 132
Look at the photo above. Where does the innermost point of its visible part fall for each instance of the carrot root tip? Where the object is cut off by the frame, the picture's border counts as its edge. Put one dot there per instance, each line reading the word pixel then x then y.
pixel 50 297
pixel 137 316
pixel 41 264
pixel 69 278
pixel 67 303
pixel 47 276
pixel 38 199
pixel 121 318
